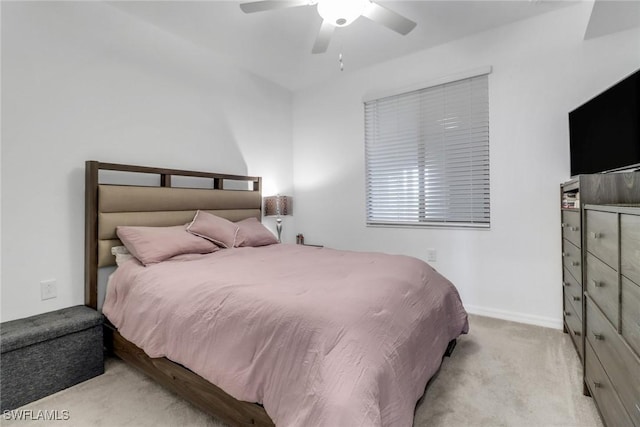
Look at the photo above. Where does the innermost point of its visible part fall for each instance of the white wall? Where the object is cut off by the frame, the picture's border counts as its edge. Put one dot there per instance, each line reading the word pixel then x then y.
pixel 84 81
pixel 542 69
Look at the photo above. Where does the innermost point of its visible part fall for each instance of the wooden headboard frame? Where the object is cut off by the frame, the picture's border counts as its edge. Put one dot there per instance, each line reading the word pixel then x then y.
pixel 161 205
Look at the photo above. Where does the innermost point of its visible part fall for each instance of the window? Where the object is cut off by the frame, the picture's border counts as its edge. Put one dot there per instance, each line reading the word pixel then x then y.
pixel 427 156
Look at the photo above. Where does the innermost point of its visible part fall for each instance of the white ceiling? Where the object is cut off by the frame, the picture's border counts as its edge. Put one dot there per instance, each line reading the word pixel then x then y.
pixel 609 16
pixel 277 44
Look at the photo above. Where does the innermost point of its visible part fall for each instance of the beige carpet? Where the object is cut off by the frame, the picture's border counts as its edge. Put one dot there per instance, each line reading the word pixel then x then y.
pixel 501 374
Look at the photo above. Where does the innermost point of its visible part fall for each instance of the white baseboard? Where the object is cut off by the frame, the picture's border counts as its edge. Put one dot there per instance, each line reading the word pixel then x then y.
pixel 529 319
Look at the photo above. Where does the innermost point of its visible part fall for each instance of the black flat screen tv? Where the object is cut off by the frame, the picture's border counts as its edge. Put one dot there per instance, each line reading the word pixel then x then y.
pixel 604 132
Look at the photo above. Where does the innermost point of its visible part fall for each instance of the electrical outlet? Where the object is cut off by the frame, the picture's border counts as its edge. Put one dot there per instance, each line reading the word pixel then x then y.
pixel 432 255
pixel 48 289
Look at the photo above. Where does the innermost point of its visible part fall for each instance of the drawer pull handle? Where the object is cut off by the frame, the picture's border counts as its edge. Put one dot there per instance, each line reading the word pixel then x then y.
pixel 596 384
pixel 563 225
pixel 597 284
pixel 564 254
pixel 577 333
pixel 575 263
pixel 567 314
pixel 595 235
pixel 573 228
pixel 576 298
pixel 566 284
pixel 598 337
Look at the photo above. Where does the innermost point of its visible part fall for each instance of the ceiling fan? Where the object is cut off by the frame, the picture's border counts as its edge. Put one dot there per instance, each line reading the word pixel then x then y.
pixel 337 13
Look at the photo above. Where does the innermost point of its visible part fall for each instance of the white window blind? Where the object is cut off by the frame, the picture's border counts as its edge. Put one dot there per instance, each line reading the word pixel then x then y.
pixel 427 156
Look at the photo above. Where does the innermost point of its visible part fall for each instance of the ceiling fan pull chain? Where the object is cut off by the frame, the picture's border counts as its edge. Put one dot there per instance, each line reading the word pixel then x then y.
pixel 340 61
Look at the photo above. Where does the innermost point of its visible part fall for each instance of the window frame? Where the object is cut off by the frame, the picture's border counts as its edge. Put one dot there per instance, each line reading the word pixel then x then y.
pixel 422 218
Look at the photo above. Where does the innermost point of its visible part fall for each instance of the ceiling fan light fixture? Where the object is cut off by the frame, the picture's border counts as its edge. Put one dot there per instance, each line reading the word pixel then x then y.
pixel 341 13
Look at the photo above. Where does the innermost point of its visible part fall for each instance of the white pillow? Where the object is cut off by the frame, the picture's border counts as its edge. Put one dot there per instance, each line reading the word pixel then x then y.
pixel 121 253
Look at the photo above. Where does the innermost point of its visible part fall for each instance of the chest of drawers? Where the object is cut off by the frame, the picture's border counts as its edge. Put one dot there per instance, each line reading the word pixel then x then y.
pixel 612 317
pixel 572 275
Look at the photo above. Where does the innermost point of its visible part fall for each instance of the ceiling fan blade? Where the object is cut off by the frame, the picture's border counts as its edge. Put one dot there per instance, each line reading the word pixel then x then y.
pixel 388 18
pixel 261 6
pixel 324 37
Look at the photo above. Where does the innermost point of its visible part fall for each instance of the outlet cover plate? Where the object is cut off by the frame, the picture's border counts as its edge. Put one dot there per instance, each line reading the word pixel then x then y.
pixel 48 289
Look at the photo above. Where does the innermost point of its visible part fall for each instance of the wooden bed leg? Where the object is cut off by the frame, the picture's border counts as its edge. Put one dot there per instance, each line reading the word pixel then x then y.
pixel 450 347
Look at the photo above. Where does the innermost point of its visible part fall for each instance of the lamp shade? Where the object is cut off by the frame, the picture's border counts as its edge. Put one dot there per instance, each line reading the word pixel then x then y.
pixel 278 205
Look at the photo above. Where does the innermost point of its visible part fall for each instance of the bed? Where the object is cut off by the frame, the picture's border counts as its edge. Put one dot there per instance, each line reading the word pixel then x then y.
pixel 369 329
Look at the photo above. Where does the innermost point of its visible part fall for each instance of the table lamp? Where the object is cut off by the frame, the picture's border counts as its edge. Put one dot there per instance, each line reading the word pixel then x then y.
pixel 278 206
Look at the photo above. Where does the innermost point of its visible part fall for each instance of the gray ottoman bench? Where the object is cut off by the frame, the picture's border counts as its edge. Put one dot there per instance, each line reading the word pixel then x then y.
pixel 43 354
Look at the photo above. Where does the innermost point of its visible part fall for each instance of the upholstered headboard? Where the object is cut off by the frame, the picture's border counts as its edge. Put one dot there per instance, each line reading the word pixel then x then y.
pixel 108 206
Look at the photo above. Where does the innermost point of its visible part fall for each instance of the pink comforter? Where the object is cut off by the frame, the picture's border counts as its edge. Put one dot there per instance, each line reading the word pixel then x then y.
pixel 320 337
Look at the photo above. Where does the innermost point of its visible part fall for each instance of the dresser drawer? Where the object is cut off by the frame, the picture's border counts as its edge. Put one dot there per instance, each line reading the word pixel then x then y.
pixel 630 313
pixel 623 367
pixel 602 236
pixel 571 227
pixel 602 286
pixel 602 391
pixel 574 290
pixel 571 258
pixel 574 324
pixel 630 246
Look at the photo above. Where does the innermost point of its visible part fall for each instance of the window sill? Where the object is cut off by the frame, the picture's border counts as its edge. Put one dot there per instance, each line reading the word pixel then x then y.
pixel 431 225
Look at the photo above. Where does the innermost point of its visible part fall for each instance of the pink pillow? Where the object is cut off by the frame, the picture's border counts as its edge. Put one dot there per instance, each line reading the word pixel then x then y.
pixel 154 244
pixel 252 233
pixel 220 231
